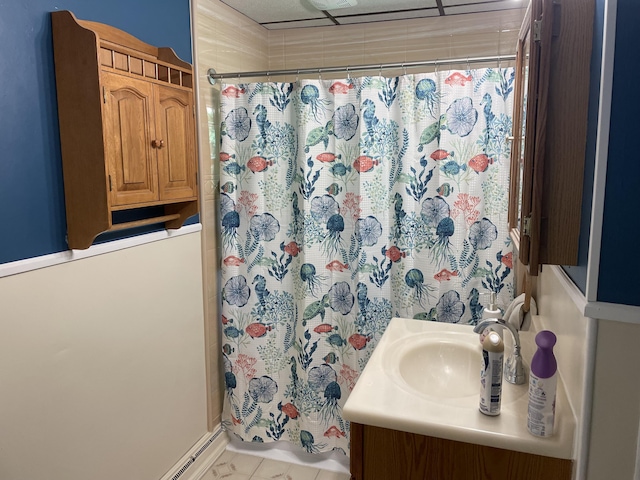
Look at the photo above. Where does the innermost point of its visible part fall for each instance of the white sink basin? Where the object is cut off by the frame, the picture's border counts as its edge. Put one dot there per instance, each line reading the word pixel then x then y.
pixel 439 364
pixel 443 367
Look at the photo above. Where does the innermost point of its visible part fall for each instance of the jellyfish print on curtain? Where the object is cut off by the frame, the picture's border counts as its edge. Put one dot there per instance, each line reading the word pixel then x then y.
pixel 342 204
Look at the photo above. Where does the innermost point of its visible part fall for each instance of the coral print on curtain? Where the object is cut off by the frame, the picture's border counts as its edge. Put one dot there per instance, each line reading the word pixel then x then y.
pixel 344 203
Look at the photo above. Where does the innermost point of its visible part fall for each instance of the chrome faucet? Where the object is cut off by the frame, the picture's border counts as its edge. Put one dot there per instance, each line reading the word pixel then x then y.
pixel 514 369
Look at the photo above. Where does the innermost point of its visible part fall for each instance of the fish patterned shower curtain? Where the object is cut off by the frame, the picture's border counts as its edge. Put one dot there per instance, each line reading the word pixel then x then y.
pixel 342 204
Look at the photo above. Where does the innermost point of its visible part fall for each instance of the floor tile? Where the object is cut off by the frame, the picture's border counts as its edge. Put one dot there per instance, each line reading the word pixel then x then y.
pixel 235 463
pixel 237 466
pixel 234 476
pixel 245 463
pixel 275 470
pixel 298 472
pixel 272 469
pixel 208 475
pixel 224 458
pixel 326 475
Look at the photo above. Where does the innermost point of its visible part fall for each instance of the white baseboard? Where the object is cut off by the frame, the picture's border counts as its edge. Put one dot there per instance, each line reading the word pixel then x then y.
pixel 190 468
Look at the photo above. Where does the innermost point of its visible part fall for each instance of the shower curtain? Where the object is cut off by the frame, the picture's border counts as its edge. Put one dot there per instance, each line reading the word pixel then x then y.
pixel 344 203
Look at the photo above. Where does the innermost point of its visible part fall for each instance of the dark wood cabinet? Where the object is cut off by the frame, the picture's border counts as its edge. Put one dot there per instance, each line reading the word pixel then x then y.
pixel 383 454
pixel 550 128
pixel 127 129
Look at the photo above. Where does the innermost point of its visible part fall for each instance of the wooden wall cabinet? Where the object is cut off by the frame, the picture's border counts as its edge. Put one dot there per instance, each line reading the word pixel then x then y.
pixel 550 131
pixel 382 454
pixel 127 130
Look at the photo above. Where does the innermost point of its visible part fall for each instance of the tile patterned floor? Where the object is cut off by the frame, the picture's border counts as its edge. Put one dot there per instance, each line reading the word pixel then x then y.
pixel 238 466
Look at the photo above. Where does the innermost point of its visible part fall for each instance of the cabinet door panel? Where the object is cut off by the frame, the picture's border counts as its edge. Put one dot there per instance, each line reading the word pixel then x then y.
pixel 128 128
pixel 554 109
pixel 176 157
pixel 391 454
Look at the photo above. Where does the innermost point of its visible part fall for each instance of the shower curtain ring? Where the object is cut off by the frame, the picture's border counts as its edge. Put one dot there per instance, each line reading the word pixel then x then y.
pixel 298 76
pixel 320 74
pixel 268 76
pixel 468 67
pixel 436 66
pixel 404 69
pixel 380 71
pixel 348 73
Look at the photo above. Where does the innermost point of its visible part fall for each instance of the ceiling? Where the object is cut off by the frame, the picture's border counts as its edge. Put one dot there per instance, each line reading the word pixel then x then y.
pixel 279 14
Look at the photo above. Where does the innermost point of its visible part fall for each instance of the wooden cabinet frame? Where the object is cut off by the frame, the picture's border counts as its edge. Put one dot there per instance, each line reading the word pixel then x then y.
pixel 559 35
pixel 127 150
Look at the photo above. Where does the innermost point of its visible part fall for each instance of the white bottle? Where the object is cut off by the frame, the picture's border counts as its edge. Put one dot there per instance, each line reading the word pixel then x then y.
pixel 542 386
pixel 491 374
pixel 492 311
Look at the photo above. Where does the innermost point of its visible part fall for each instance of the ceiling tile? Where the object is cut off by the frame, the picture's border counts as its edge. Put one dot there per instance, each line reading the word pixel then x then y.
pixel 284 14
pixel 380 6
pixel 467 7
pixel 275 10
pixel 381 17
pixel 319 22
pixel 455 3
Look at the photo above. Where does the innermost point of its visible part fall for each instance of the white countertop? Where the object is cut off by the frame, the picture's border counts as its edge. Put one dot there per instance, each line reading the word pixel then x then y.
pixel 382 399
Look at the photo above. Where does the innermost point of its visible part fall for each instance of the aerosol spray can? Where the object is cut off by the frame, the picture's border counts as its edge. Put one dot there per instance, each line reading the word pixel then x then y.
pixel 542 386
pixel 491 374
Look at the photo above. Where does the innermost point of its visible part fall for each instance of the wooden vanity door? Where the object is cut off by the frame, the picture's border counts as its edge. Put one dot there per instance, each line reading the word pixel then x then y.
pixel 129 127
pixel 383 454
pixel 176 153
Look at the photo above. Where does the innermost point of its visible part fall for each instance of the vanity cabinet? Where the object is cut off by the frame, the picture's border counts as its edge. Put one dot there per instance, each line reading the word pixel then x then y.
pixel 382 454
pixel 127 130
pixel 550 131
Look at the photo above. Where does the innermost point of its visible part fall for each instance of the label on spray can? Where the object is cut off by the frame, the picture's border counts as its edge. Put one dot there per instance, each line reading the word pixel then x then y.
pixel 542 405
pixel 491 374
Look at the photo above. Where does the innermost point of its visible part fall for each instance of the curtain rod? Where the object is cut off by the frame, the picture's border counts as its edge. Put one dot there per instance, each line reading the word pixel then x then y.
pixel 213 76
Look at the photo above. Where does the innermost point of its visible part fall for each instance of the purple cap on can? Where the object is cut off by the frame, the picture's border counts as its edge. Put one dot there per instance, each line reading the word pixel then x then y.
pixel 543 363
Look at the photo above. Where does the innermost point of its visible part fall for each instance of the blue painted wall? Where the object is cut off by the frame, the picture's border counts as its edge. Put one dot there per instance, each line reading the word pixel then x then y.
pixel 32 214
pixel 620 256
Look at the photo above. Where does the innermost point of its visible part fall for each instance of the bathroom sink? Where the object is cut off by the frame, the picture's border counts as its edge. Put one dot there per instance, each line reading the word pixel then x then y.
pixel 439 364
pixel 424 377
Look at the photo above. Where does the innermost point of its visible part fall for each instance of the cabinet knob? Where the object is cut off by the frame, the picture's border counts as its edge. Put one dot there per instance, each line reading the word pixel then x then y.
pixel 157 143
